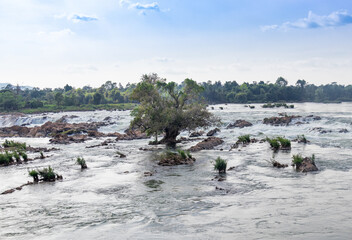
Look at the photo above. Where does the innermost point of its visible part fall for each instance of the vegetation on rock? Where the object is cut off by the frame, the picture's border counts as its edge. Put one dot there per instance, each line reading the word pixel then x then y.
pixel 168 108
pixel 244 138
pixel 220 165
pixel 80 161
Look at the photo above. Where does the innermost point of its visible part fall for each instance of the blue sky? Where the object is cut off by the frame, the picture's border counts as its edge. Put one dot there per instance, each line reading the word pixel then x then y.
pixel 49 43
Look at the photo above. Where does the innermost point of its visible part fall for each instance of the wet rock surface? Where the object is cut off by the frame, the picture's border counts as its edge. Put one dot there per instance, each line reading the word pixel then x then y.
pixel 208 143
pixel 175 159
pixel 308 165
pixel 213 132
pixel 279 121
pixel 196 134
pixel 239 124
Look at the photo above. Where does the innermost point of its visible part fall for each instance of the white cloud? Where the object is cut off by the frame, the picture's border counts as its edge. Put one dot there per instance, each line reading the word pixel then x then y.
pixel 77 17
pixel 142 7
pixel 335 19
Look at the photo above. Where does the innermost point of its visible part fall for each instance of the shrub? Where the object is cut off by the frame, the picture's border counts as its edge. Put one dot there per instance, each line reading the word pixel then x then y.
pixel 8 157
pixel 16 156
pixel 13 144
pixel 182 153
pixel 82 162
pixel 47 174
pixel 285 143
pixel 24 156
pixel 220 165
pixel 42 155
pixel 297 159
pixel 302 139
pixel 244 138
pixel 274 143
pixel 3 159
pixel 189 155
pixel 34 173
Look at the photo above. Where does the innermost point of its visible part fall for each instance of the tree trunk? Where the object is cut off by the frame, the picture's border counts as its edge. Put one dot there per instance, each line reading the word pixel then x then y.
pixel 170 137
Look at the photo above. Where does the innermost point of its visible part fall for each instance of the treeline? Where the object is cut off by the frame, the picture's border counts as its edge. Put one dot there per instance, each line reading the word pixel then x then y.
pixel 14 98
pixel 260 92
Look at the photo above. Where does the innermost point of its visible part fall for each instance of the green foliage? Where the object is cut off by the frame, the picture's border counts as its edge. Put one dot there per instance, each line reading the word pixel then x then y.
pixel 42 155
pixel 168 108
pixel 302 139
pixel 297 159
pixel 47 174
pixel 244 138
pixel 16 156
pixel 277 105
pixel 13 144
pixel 34 173
pixel 24 156
pixel 182 153
pixel 189 155
pixel 80 161
pixel 4 159
pixel 274 143
pixel 220 165
pixel 285 143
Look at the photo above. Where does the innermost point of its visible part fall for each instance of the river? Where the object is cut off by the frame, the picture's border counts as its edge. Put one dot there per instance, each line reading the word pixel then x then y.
pixel 113 199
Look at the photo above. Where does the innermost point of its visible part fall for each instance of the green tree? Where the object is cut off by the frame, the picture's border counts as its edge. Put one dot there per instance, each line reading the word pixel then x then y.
pixel 169 108
pixel 59 98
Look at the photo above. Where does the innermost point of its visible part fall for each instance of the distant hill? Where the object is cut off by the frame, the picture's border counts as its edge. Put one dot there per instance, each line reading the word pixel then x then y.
pixel 3 85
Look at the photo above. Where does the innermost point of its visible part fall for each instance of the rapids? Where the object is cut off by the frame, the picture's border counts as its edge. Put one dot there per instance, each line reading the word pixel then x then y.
pixel 113 199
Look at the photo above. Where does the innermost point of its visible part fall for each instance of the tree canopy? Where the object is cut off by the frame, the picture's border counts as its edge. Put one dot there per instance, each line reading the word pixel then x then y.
pixel 169 108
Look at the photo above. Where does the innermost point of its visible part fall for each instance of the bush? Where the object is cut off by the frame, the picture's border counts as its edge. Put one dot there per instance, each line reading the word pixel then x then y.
pixel 274 143
pixel 302 139
pixel 24 156
pixel 42 155
pixel 34 173
pixel 82 162
pixel 182 153
pixel 285 143
pixel 297 159
pixel 16 156
pixel 47 174
pixel 13 144
pixel 220 165
pixel 244 139
pixel 3 159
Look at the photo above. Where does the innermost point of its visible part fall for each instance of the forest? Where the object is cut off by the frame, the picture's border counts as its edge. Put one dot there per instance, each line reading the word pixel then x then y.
pixel 111 95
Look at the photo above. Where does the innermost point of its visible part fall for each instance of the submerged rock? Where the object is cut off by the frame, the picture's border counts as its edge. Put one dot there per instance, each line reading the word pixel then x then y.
pixel 213 132
pixel 279 121
pixel 307 165
pixel 196 134
pixel 173 159
pixel 208 143
pixel 239 124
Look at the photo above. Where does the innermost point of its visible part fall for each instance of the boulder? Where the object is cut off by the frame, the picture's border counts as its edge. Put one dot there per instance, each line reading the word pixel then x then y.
pixel 208 143
pixel 240 124
pixel 213 132
pixel 196 134
pixel 173 159
pixel 279 121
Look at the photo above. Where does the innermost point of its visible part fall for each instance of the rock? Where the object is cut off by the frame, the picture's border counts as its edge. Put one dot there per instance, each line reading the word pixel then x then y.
pixel 120 154
pixel 344 130
pixel 240 124
pixel 278 165
pixel 321 130
pixel 279 121
pixel 8 191
pixel 173 159
pixel 196 134
pixel 308 165
pixel 208 143
pixel 231 169
pixel 221 108
pixel 148 174
pixel 213 132
pixel 64 139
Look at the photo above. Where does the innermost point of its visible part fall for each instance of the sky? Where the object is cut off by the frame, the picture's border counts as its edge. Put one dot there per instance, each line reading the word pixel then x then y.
pixel 49 43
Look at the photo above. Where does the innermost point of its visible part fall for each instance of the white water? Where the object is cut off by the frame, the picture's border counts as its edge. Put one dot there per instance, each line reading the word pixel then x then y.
pixel 259 202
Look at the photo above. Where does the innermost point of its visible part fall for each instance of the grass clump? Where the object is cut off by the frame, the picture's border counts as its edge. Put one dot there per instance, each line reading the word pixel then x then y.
pixel 244 138
pixel 274 143
pixel 220 165
pixel 42 155
pixel 182 153
pixel 302 139
pixel 80 161
pixel 13 144
pixel 34 173
pixel 47 174
pixel 284 142
pixel 297 159
pixel 4 159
